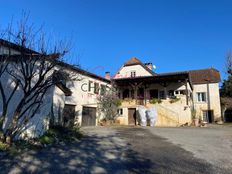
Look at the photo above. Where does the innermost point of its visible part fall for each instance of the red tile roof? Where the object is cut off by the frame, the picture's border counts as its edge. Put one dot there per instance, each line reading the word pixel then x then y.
pixel 133 61
pixel 210 75
pixel 136 61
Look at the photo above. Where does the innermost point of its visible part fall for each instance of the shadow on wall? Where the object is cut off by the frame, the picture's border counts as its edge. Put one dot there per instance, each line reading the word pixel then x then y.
pixel 93 154
pixel 56 114
pixel 64 115
pixel 34 120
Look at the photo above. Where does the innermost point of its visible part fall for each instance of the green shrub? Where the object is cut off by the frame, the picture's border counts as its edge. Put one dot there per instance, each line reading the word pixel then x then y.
pixel 3 146
pixel 46 139
pixel 173 100
pixel 155 101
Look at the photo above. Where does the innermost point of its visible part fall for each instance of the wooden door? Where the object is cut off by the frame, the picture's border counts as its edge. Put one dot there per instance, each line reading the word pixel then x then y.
pixel 68 115
pixel 88 116
pixel 131 116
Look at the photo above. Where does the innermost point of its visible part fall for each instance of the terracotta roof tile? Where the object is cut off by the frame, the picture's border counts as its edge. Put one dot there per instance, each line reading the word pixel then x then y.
pixel 136 61
pixel 203 75
pixel 133 61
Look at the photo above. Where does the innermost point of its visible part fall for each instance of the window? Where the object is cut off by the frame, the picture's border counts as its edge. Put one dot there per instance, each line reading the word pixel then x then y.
pixel 201 97
pixel 205 116
pixel 120 111
pixel 96 88
pixel 180 92
pixel 133 73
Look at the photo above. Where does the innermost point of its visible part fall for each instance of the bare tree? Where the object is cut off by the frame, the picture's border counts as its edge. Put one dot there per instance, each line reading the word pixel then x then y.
pixel 33 73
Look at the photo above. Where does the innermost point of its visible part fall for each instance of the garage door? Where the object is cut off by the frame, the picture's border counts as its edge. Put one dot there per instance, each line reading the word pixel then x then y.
pixel 88 116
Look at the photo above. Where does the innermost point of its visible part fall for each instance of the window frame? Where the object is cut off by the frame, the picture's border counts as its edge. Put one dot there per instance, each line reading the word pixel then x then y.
pixel 201 97
pixel 133 73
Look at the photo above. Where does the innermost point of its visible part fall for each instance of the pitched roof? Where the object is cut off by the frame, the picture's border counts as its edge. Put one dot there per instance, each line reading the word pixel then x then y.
pixel 133 61
pixel 16 47
pixel 136 61
pixel 200 76
pixel 210 75
pixel 60 63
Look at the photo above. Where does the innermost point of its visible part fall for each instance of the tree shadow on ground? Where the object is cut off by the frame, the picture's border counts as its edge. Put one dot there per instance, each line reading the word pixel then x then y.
pixel 93 154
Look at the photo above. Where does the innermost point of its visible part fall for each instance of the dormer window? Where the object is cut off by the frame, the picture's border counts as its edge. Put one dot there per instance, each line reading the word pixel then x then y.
pixel 133 73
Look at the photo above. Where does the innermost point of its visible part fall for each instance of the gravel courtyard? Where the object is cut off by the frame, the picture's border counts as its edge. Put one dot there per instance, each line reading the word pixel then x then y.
pixel 133 150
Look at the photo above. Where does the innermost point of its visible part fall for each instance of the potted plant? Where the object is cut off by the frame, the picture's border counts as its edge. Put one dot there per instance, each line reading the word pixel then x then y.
pixel 195 118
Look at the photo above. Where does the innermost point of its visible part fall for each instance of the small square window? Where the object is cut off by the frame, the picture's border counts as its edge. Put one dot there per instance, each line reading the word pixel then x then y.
pixel 201 97
pixel 120 111
pixel 133 73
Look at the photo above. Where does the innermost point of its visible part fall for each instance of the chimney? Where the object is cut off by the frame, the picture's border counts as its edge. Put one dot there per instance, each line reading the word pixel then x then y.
pixel 149 65
pixel 107 75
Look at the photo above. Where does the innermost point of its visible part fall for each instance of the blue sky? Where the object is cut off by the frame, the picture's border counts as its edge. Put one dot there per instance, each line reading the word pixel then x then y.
pixel 174 35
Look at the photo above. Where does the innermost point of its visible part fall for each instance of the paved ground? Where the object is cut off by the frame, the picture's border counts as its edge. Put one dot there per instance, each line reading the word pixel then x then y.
pixel 133 150
pixel 213 144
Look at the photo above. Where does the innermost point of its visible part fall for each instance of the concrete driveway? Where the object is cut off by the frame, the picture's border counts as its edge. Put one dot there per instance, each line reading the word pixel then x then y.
pixel 132 150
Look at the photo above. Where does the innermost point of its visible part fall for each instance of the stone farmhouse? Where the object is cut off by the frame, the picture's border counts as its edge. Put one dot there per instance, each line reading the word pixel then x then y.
pixel 175 95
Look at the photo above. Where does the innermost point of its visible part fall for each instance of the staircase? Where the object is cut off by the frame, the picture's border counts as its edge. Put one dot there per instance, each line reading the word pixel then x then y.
pixel 167 116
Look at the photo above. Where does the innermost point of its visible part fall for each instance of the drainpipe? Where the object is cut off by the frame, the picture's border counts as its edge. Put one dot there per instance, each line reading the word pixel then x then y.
pixel 208 95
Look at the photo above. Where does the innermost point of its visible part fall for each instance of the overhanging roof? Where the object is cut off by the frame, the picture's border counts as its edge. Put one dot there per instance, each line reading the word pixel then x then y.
pixel 159 78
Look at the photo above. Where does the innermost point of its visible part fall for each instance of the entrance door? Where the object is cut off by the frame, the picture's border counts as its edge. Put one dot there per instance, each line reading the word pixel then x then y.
pixel 68 115
pixel 208 116
pixel 131 116
pixel 88 116
pixel 228 115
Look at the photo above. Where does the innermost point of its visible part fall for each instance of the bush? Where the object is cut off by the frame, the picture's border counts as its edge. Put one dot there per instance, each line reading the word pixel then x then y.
pixel 46 139
pixel 3 146
pixel 155 101
pixel 59 133
pixel 173 100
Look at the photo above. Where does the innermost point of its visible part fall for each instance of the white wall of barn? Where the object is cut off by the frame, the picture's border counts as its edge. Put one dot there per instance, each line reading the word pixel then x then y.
pixel 81 96
pixel 39 123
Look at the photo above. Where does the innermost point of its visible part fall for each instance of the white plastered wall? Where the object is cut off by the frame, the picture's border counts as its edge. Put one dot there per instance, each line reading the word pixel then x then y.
pixel 214 99
pixel 81 96
pixel 125 71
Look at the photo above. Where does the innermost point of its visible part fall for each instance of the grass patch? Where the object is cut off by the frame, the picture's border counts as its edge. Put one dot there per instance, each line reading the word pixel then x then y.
pixel 53 136
pixel 59 133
